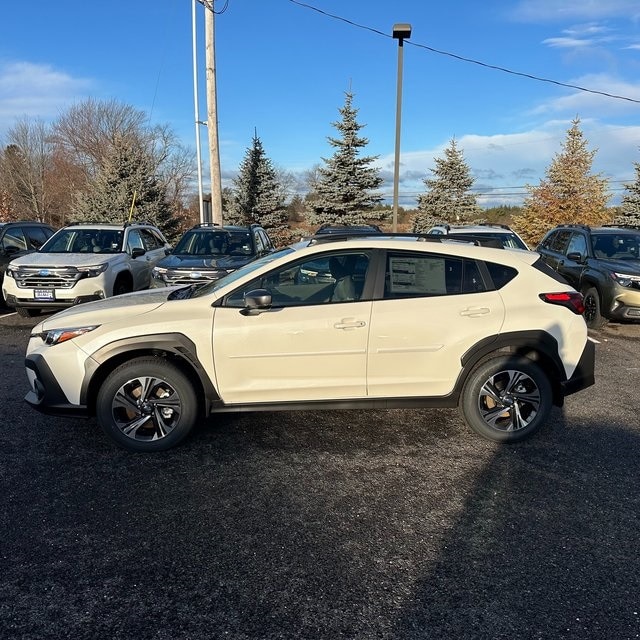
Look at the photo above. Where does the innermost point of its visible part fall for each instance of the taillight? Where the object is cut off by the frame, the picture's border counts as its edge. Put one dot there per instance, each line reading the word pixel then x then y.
pixel 570 299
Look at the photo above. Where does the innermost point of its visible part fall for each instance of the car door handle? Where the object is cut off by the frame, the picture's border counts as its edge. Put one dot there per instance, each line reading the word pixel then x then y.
pixel 348 323
pixel 475 312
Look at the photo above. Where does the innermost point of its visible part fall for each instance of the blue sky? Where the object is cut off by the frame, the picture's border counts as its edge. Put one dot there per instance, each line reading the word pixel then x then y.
pixel 283 69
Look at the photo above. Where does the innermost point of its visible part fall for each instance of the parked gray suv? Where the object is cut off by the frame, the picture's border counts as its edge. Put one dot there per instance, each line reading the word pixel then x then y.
pixel 601 262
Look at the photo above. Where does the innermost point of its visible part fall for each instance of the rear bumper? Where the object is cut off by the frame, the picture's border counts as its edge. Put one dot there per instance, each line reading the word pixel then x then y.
pixel 584 374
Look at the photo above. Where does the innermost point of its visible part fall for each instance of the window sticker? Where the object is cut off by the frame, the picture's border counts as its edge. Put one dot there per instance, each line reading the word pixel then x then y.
pixel 417 275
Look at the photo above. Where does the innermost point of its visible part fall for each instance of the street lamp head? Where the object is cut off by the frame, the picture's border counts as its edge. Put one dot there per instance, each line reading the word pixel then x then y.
pixel 402 31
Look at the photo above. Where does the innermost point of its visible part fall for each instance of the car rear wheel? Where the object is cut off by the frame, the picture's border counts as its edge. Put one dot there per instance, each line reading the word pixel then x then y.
pixel 592 314
pixel 506 399
pixel 147 404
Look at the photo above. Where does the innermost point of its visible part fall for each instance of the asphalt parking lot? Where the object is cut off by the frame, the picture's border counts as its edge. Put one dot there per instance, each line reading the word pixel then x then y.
pixel 322 525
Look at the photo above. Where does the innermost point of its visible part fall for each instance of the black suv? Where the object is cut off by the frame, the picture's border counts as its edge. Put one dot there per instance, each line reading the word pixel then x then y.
pixel 19 238
pixel 601 262
pixel 209 251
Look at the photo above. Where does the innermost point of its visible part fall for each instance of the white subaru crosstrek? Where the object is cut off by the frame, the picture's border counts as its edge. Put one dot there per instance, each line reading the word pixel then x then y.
pixel 403 321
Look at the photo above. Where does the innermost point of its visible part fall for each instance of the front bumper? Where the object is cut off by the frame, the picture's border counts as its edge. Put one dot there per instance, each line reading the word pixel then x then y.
pixel 60 303
pixel 45 394
pixel 624 305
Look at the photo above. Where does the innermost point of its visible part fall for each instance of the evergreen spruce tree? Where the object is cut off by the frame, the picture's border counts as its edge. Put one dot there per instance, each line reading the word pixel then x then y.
pixel 630 209
pixel 447 199
pixel 569 193
pixel 126 180
pixel 257 194
pixel 345 192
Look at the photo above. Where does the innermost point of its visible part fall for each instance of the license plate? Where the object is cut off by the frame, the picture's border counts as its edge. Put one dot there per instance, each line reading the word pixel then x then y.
pixel 44 294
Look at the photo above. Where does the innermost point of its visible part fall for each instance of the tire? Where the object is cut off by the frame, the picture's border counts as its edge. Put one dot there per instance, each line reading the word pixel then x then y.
pixel 23 312
pixel 592 314
pixel 506 399
pixel 121 285
pixel 133 398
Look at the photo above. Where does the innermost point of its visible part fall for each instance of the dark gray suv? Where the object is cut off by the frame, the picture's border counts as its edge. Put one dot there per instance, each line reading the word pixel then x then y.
pixel 601 262
pixel 19 238
pixel 208 251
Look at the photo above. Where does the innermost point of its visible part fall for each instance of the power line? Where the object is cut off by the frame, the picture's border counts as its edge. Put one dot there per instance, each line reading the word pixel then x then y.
pixel 469 60
pixel 208 4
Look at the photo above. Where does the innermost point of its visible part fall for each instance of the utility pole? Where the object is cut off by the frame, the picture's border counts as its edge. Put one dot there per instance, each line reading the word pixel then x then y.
pixel 212 114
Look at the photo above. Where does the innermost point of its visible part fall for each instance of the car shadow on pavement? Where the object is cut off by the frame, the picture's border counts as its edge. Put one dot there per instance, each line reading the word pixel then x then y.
pixel 545 545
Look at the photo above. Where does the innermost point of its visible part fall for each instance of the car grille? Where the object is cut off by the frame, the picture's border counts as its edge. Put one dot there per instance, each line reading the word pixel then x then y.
pixel 36 278
pixel 193 277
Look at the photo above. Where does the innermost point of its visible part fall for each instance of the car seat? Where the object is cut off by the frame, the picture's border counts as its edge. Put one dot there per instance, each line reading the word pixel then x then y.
pixel 344 288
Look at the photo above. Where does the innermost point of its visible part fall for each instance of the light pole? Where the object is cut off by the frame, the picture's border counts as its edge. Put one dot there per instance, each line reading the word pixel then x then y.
pixel 196 109
pixel 400 32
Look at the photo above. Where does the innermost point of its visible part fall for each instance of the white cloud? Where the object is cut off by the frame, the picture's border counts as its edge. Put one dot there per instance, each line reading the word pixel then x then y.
pixel 560 10
pixel 589 104
pixel 568 43
pixel 36 91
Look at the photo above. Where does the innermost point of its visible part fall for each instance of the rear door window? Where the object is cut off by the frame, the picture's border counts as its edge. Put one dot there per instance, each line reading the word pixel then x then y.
pixel 418 275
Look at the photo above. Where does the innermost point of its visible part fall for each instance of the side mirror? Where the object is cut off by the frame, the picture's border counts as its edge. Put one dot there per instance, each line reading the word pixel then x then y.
pixel 256 301
pixel 576 257
pixel 10 251
pixel 136 252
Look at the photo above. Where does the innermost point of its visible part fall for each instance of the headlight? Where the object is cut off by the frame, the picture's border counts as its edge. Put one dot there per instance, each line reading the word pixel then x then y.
pixel 56 336
pixel 626 280
pixel 93 271
pixel 160 273
pixel 10 271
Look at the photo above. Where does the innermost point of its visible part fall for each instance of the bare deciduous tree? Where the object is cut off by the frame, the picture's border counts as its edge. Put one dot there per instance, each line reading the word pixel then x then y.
pixel 24 169
pixel 89 130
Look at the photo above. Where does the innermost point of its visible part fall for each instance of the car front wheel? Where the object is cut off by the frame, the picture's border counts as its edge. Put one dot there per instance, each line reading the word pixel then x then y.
pixel 506 399
pixel 147 404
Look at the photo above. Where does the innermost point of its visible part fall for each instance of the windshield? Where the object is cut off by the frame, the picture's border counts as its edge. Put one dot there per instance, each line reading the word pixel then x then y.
pixel 509 240
pixel 240 273
pixel 616 246
pixel 84 241
pixel 211 243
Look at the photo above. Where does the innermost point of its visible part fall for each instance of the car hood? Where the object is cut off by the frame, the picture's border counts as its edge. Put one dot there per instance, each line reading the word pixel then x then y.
pixel 203 262
pixel 55 260
pixel 103 311
pixel 631 267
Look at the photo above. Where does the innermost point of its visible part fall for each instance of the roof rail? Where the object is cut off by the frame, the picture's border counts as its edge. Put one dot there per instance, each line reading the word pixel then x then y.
pixel 324 238
pixel 494 224
pixel 201 225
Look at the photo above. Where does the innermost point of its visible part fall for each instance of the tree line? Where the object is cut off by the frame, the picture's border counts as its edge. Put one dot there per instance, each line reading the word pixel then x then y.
pixel 103 161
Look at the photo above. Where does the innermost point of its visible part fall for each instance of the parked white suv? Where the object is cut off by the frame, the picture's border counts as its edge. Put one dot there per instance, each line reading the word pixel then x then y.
pixel 402 321
pixel 81 263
